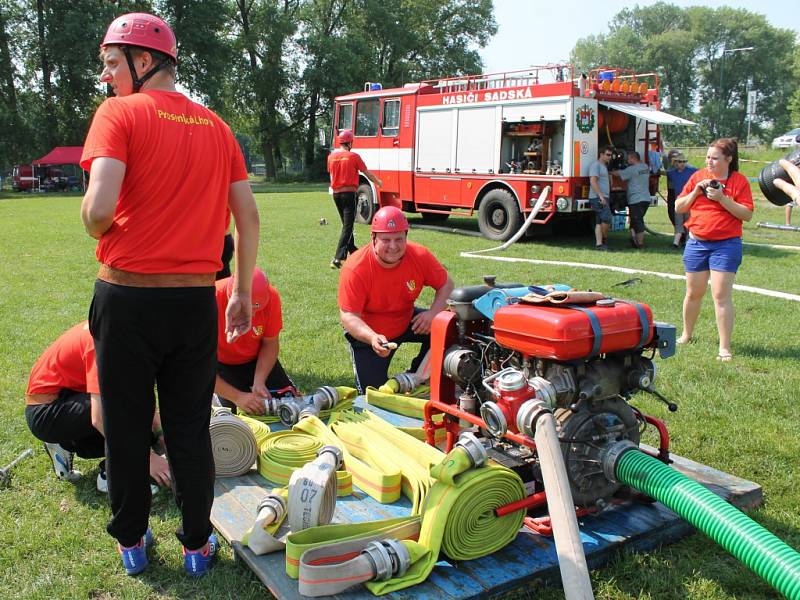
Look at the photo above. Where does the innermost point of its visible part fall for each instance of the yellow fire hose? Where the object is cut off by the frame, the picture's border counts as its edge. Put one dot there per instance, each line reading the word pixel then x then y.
pixel 458 519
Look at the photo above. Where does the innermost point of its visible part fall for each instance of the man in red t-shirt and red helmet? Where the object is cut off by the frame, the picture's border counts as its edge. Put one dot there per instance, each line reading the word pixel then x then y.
pixel 377 290
pixel 165 171
pixel 344 166
pixel 248 368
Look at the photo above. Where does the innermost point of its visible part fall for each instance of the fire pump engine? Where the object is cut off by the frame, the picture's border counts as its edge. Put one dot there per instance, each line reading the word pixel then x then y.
pixel 497 361
pixel 491 143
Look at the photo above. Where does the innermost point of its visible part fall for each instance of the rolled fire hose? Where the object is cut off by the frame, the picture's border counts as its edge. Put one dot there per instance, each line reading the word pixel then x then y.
pixel 769 557
pixel 232 443
pixel 260 430
pixel 535 419
pixel 374 441
pixel 284 452
pixel 310 501
pixel 458 519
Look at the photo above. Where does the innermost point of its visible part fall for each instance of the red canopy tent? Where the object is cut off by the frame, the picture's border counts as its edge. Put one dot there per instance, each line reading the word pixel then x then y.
pixel 63 155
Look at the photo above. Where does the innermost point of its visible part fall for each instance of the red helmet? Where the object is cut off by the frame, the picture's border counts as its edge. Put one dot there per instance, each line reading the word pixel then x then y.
pixel 345 137
pixel 389 219
pixel 259 293
pixel 143 30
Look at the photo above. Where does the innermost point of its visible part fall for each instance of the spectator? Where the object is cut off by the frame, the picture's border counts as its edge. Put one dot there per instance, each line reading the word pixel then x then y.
pixel 677 177
pixel 599 196
pixel 720 200
pixel 637 174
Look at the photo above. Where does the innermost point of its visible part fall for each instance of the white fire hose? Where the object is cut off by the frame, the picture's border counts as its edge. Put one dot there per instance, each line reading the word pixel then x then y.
pixel 311 501
pixel 232 443
pixel 536 420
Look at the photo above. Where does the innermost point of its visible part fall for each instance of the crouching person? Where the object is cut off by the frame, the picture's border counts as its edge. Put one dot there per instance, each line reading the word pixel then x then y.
pixel 63 408
pixel 377 289
pixel 248 369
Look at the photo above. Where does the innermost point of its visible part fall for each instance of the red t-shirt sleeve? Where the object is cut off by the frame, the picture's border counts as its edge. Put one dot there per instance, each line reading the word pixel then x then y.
pixel 435 273
pixel 107 135
pixel 352 292
pixel 742 194
pixel 274 314
pixel 360 163
pixel 90 362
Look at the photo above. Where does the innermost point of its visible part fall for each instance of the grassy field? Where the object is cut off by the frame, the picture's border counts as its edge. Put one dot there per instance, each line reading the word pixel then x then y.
pixel 741 417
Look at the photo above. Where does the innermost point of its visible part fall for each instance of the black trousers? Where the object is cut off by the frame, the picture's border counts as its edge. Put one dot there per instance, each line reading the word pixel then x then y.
pixel 241 377
pixel 67 421
pixel 372 370
pixel 164 338
pixel 346 205
pixel 671 197
pixel 227 255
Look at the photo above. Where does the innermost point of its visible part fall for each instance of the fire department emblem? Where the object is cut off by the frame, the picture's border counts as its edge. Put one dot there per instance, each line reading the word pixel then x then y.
pixel 584 118
pixel 411 285
pixel 258 330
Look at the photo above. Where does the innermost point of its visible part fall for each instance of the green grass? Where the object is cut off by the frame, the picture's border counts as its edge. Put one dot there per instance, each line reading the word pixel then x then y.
pixel 740 417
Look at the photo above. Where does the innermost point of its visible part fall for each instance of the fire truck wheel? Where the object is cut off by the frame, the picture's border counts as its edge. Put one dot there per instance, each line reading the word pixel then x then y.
pixel 365 205
pixel 498 215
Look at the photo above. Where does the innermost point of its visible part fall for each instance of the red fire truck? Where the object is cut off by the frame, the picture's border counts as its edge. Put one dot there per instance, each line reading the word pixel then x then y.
pixel 491 143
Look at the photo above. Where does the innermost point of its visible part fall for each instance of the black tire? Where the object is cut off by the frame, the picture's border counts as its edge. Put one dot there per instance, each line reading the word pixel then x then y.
pixel 365 204
pixel 434 217
pixel 498 215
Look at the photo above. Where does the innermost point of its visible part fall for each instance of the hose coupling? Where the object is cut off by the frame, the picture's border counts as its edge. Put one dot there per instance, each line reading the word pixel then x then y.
pixel 473 447
pixel 406 382
pixel 338 456
pixel 274 503
pixel 324 398
pixel 389 558
pixel 289 410
pixel 611 456
pixel 494 418
pixel 528 414
pixel 545 390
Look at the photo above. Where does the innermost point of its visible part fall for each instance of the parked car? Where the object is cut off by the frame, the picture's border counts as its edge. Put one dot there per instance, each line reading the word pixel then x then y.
pixel 787 140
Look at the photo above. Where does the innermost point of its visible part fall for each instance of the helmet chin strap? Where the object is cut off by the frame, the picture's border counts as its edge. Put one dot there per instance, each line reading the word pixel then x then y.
pixel 139 82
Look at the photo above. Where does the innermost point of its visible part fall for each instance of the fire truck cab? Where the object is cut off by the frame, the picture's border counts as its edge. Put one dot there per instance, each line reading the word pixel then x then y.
pixel 491 143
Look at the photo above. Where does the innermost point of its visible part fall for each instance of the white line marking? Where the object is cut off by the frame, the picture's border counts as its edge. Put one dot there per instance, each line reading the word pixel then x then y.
pixel 736 286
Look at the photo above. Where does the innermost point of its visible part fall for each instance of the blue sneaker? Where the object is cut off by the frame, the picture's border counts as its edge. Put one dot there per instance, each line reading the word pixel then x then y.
pixel 134 559
pixel 199 562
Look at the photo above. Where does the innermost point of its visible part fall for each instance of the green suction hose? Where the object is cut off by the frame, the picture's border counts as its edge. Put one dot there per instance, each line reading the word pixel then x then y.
pixel 770 558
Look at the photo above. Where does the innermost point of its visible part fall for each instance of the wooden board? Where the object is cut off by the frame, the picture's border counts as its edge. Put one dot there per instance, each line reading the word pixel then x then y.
pixel 530 557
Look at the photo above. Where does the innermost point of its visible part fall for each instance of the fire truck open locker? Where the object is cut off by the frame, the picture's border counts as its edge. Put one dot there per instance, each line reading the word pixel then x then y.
pixel 491 143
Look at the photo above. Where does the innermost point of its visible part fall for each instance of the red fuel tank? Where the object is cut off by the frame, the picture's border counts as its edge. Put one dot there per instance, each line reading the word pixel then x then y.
pixel 560 332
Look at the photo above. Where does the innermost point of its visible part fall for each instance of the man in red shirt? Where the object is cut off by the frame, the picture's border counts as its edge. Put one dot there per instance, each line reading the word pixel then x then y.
pixel 377 290
pixel 344 166
pixel 248 368
pixel 63 407
pixel 164 173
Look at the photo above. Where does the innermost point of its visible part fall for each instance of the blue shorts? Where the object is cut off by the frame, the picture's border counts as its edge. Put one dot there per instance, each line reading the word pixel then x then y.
pixel 719 255
pixel 602 212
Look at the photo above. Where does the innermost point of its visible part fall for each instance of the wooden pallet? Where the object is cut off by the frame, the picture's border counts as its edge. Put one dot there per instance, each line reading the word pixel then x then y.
pixel 631 526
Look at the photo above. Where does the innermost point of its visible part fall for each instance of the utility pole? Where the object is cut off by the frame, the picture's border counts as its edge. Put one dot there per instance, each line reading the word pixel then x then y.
pixel 719 92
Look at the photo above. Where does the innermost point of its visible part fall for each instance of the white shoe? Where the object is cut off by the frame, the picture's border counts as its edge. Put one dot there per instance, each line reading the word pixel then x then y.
pixel 62 462
pixel 102 482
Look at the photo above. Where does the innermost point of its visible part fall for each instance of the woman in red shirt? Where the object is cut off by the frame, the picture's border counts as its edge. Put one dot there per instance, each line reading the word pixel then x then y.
pixel 720 200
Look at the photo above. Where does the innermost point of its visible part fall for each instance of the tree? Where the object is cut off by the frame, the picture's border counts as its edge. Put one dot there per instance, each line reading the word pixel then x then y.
pixel 700 78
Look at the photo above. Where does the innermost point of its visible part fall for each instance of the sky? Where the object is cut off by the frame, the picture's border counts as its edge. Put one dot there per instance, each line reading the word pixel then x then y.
pixel 536 32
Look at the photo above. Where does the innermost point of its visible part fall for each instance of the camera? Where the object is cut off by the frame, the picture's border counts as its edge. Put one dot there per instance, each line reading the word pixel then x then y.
pixel 773 171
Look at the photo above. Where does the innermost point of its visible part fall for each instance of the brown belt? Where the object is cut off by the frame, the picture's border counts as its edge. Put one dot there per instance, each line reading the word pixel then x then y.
pixel 40 398
pixel 154 280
